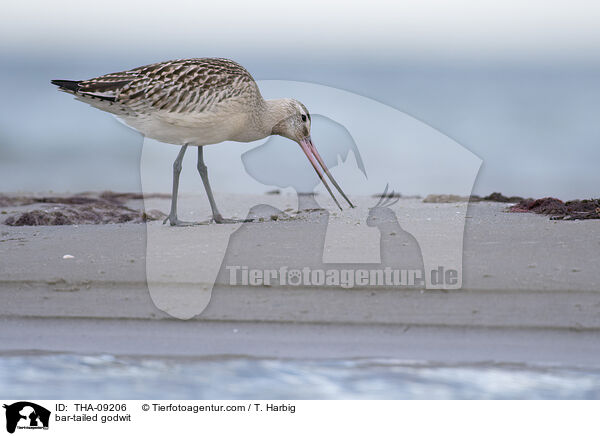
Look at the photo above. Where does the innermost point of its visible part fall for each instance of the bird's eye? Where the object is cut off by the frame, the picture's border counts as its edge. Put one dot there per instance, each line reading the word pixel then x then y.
pixel 303 117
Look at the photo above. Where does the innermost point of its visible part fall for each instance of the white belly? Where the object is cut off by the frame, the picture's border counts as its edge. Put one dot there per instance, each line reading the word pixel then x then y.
pixel 194 128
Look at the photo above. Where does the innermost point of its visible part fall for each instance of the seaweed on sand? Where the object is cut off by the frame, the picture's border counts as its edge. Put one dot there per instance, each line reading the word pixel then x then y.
pixel 86 208
pixel 570 210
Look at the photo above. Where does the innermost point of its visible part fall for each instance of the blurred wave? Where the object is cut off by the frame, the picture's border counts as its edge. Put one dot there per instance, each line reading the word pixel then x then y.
pixel 64 376
pixel 533 125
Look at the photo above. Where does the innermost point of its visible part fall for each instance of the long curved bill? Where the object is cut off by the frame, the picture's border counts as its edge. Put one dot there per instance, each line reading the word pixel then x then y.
pixel 313 156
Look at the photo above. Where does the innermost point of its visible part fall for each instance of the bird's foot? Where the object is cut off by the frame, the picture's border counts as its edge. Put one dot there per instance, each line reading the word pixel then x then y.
pixel 220 220
pixel 175 222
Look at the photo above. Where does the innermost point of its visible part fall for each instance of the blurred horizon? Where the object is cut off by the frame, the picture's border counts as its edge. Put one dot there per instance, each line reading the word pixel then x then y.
pixel 518 85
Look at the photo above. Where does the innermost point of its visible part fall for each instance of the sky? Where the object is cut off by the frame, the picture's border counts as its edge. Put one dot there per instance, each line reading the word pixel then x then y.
pixel 508 29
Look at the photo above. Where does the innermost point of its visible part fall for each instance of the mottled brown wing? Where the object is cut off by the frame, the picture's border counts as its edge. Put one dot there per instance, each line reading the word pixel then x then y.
pixel 190 85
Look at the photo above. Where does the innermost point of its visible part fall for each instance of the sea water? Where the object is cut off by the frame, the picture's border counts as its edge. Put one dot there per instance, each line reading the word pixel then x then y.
pixel 534 125
pixel 64 376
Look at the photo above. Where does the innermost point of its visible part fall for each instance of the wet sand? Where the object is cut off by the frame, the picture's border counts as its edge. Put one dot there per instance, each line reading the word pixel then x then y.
pixel 530 294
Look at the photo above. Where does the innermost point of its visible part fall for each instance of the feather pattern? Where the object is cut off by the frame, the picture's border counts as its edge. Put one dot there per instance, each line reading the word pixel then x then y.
pixel 184 93
pixel 184 85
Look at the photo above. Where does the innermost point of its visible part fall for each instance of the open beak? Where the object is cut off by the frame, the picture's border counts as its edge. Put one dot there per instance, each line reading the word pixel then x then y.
pixel 313 156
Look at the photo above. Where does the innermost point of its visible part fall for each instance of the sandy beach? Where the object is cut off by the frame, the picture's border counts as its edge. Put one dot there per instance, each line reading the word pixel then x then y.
pixel 530 294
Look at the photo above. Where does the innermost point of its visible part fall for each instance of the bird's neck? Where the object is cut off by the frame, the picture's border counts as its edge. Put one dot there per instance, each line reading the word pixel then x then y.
pixel 274 112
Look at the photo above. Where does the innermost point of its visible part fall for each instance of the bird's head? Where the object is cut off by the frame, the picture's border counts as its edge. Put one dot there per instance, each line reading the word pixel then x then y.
pixel 294 123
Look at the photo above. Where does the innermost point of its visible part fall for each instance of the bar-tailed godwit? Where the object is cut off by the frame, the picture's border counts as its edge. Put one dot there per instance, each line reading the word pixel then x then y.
pixel 197 102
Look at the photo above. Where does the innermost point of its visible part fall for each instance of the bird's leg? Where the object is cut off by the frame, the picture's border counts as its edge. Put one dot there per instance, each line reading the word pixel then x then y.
pixel 203 170
pixel 172 218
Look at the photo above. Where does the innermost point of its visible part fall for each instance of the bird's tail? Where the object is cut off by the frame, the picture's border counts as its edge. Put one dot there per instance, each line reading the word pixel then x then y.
pixel 71 86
